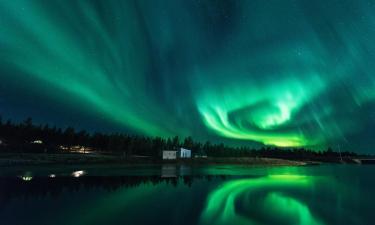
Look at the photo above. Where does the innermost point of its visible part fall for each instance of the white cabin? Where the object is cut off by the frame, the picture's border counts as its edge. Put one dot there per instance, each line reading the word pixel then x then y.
pixel 184 153
pixel 169 154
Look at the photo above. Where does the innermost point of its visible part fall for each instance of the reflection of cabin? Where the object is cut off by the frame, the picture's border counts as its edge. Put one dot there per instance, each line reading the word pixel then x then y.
pixel 169 171
pixel 173 170
pixel 169 154
pixel 185 170
pixel 181 153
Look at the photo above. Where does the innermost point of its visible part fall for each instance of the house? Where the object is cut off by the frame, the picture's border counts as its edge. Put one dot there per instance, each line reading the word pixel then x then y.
pixel 184 153
pixel 76 149
pixel 168 154
pixel 39 142
pixel 80 149
pixel 181 153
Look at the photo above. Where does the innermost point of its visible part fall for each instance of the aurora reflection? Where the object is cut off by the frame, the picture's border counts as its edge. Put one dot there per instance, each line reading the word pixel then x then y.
pixel 263 200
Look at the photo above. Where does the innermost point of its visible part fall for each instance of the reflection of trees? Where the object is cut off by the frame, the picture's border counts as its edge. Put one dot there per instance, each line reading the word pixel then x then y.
pixel 15 187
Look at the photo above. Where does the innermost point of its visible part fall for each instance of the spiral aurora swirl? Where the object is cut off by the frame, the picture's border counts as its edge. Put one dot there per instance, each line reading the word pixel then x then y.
pixel 264 200
pixel 260 113
pixel 239 72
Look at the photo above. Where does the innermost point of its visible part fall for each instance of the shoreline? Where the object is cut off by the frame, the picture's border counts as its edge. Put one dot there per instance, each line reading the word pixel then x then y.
pixel 40 159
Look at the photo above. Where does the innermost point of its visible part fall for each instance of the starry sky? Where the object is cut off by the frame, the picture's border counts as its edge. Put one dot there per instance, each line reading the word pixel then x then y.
pixel 291 73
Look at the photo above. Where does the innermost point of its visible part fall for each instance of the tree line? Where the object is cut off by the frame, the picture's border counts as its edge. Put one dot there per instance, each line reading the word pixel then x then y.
pixel 19 137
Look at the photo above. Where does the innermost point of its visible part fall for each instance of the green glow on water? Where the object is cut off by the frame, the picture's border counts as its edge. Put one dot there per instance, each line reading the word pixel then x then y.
pixel 287 177
pixel 120 202
pixel 262 200
pixel 290 208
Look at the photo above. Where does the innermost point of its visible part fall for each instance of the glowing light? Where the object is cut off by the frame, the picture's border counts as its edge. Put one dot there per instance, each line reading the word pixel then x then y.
pixel 78 173
pixel 63 148
pixel 37 142
pixel 26 178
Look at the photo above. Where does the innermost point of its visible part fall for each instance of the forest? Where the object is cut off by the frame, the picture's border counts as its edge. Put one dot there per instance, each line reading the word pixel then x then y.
pixel 21 137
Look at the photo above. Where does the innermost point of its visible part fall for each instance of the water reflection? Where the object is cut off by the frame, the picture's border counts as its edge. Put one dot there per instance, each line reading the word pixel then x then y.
pixel 169 171
pixel 265 200
pixel 13 187
pixel 315 196
pixel 175 170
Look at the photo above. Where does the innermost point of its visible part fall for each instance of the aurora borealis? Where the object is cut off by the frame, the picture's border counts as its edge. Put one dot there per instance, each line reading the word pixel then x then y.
pixel 293 73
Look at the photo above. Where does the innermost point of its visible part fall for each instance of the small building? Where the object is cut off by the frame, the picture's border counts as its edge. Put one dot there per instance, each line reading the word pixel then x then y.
pixel 80 149
pixel 39 142
pixel 168 154
pixel 184 153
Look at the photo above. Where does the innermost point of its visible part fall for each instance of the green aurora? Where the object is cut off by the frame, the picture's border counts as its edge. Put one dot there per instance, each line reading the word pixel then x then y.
pixel 283 73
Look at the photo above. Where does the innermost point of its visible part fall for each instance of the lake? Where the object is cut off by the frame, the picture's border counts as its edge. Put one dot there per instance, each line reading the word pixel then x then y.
pixel 220 194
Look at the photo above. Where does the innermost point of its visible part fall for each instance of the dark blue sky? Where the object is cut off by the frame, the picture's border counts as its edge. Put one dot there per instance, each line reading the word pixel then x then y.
pixel 285 73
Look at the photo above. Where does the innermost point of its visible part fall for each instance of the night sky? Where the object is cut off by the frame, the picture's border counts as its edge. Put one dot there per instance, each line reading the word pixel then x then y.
pixel 286 73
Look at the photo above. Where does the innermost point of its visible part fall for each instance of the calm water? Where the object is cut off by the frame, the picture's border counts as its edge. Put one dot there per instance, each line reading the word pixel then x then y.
pixel 327 194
